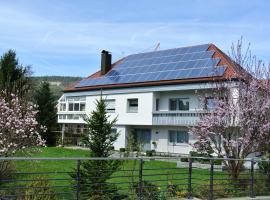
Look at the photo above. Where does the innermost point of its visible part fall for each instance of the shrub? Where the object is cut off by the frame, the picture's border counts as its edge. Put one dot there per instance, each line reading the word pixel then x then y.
pixel 149 191
pixel 264 165
pixel 261 185
pixel 122 149
pixel 219 190
pixel 39 189
pixel 6 168
pixel 182 194
pixel 217 162
pixel 149 153
pixel 197 154
pixel 174 191
pixel 185 159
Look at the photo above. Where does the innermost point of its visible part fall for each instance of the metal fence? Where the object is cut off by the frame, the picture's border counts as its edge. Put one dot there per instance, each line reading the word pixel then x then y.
pixel 150 178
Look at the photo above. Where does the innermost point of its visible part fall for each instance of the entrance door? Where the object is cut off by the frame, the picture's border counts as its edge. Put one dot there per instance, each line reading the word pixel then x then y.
pixel 143 136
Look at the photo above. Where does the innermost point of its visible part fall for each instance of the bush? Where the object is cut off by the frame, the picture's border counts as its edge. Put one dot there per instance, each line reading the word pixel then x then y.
pixel 39 189
pixel 264 165
pixel 219 190
pixel 6 168
pixel 149 190
pixel 122 149
pixel 197 154
pixel 217 162
pixel 174 191
pixel 185 159
pixel 150 153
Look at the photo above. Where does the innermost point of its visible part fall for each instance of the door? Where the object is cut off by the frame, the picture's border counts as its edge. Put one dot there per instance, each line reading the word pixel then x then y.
pixel 143 137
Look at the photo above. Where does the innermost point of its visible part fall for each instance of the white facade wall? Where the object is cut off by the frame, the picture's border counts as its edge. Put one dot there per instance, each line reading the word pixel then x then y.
pixel 121 140
pixel 146 107
pixel 142 117
pixel 160 135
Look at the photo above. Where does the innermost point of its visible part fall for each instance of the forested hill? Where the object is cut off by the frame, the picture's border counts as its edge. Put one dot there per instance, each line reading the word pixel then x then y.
pixel 57 83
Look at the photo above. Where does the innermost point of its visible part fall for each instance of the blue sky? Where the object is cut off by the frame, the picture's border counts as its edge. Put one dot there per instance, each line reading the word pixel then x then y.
pixel 66 37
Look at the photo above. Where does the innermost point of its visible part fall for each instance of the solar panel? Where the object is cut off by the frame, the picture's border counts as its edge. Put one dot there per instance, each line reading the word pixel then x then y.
pixel 179 63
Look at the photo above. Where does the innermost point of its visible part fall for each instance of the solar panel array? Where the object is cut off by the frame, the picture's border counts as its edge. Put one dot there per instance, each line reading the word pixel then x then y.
pixel 172 64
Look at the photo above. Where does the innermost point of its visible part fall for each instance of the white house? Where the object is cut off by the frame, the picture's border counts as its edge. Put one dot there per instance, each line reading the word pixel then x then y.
pixel 156 95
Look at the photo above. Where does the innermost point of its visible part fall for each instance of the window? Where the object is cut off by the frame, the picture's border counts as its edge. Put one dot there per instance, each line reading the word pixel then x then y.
pixel 110 105
pixel 79 129
pixel 178 136
pixel 82 106
pixel 132 105
pixel 183 104
pixel 179 104
pixel 78 106
pixel 173 104
pixel 70 107
pixel 114 130
pixel 62 107
pixel 157 104
pixel 209 103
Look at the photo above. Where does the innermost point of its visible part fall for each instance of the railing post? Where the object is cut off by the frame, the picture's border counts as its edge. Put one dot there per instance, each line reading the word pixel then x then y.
pixel 211 192
pixel 140 179
pixel 78 179
pixel 189 178
pixel 252 179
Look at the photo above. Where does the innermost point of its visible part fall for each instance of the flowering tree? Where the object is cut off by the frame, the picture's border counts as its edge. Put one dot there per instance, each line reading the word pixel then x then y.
pixel 240 123
pixel 18 126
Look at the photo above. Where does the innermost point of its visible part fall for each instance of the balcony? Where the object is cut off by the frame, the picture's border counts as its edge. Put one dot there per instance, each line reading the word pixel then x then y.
pixel 179 118
pixel 71 116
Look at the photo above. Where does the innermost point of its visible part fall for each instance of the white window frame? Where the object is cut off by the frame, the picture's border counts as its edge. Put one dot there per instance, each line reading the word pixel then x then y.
pixel 132 109
pixel 176 139
pixel 110 105
pixel 62 107
pixel 74 106
pixel 186 100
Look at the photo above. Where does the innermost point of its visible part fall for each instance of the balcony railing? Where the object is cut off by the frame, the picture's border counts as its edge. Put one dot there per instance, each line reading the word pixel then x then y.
pixel 64 116
pixel 186 118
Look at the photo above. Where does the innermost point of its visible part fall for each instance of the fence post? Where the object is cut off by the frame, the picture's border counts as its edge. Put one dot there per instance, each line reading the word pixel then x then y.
pixel 211 195
pixel 78 179
pixel 140 179
pixel 189 178
pixel 252 179
pixel 268 170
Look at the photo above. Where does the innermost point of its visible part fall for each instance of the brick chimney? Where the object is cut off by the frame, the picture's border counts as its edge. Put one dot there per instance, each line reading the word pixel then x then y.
pixel 106 62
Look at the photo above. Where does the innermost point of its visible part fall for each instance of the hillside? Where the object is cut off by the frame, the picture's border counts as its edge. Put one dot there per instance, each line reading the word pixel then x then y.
pixel 57 83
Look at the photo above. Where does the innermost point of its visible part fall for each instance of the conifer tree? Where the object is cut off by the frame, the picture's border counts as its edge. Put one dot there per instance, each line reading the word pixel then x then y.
pixel 46 116
pixel 100 139
pixel 14 78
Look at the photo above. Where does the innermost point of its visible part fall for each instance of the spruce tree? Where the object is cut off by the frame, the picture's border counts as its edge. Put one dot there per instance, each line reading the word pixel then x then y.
pixel 14 78
pixel 100 139
pixel 46 116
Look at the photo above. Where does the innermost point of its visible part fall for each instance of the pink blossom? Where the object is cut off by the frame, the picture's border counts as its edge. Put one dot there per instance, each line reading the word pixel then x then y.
pixel 18 126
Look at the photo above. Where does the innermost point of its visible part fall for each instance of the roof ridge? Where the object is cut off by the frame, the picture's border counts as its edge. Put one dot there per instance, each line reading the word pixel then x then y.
pixel 172 49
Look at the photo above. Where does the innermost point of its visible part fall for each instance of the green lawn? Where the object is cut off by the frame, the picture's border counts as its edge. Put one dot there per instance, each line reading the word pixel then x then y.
pixel 158 172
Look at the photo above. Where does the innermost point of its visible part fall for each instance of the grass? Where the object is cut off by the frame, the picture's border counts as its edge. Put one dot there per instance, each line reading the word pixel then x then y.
pixel 160 173
pixel 57 171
